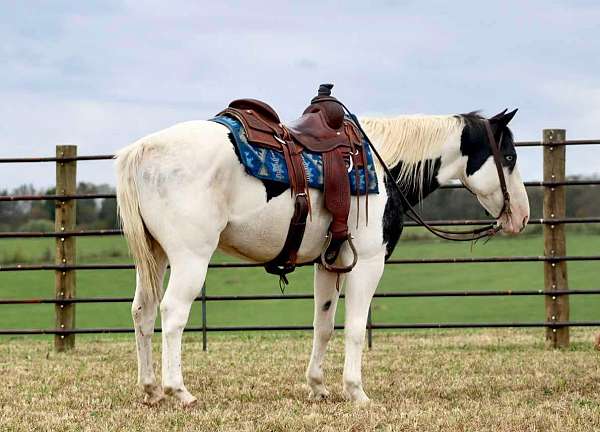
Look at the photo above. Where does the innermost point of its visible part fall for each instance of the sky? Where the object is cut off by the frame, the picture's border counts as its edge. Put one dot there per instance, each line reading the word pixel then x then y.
pixel 101 74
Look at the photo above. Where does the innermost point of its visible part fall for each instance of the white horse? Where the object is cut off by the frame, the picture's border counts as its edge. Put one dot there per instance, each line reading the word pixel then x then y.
pixel 183 193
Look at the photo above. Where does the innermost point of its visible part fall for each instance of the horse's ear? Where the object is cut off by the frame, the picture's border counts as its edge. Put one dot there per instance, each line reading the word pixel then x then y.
pixel 504 118
pixel 500 114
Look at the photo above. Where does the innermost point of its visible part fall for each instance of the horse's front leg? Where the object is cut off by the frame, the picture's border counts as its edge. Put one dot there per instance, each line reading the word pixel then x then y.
pixel 360 287
pixel 326 298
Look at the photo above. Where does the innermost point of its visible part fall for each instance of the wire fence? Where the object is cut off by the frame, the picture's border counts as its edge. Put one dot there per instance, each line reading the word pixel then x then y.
pixel 66 265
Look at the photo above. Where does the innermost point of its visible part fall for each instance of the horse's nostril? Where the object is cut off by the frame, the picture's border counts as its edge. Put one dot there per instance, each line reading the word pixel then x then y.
pixel 525 219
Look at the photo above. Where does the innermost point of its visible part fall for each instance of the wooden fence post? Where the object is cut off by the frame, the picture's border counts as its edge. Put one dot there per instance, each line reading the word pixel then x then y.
pixel 64 220
pixel 555 272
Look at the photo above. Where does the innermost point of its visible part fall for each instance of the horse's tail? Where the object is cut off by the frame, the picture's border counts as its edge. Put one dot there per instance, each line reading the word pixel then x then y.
pixel 140 241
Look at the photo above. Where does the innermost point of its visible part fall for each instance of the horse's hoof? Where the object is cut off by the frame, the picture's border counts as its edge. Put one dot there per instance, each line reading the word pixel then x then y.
pixel 362 401
pixel 319 394
pixel 359 397
pixel 153 399
pixel 185 397
pixel 190 403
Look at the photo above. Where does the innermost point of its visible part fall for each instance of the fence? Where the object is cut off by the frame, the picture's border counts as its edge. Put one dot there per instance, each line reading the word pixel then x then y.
pixel 556 290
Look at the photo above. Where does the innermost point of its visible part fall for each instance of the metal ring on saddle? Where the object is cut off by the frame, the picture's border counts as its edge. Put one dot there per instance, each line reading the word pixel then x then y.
pixel 351 167
pixel 334 268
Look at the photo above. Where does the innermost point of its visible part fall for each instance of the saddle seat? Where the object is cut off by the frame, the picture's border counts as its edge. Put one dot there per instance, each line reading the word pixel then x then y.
pixel 322 129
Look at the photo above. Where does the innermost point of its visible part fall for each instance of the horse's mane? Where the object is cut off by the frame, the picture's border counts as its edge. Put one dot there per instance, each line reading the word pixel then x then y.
pixel 413 140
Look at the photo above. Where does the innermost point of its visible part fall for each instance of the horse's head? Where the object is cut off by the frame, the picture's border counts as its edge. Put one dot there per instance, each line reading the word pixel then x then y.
pixel 480 173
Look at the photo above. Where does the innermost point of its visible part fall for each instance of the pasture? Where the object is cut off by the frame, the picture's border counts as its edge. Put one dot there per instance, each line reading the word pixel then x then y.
pixel 481 276
pixel 492 380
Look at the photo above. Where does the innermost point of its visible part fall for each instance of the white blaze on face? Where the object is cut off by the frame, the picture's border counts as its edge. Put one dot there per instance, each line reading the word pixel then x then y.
pixel 516 221
pixel 485 184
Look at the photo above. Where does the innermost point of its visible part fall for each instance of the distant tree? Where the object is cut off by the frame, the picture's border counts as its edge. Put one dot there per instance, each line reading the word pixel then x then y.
pixel 50 205
pixel 108 214
pixel 87 210
pixel 43 209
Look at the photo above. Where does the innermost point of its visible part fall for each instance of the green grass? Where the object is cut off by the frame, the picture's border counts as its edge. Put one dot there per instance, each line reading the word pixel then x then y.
pixel 513 276
pixel 500 380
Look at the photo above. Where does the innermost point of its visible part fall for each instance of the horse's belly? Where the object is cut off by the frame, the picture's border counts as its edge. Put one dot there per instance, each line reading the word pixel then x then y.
pixel 258 235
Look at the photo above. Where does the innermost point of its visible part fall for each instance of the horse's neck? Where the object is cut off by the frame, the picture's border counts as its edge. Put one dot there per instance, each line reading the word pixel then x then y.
pixel 416 192
pixel 421 151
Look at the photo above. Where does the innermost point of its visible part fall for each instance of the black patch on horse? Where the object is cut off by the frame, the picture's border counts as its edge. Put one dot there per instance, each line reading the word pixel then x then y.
pixel 393 214
pixel 431 167
pixel 235 147
pixel 474 144
pixel 272 188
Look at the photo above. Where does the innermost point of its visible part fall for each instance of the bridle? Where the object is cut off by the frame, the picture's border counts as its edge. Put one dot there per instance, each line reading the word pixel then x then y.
pixel 458 235
pixel 495 146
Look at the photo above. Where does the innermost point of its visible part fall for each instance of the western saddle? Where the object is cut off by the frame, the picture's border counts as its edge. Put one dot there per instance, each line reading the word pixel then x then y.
pixel 322 129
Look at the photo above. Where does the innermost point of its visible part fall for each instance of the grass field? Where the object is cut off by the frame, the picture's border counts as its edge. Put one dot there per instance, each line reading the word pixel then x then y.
pixel 245 281
pixel 492 380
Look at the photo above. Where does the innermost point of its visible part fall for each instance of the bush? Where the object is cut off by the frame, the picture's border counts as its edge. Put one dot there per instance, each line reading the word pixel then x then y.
pixel 15 257
pixel 37 225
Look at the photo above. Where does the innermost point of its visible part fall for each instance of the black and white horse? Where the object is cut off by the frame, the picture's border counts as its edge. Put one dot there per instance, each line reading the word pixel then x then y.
pixel 183 193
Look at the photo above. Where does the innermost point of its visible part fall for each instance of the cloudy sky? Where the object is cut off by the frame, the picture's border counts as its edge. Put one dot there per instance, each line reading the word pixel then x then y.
pixel 101 74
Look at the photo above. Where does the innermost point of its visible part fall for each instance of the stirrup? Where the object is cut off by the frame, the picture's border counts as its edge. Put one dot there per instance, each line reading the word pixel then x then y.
pixel 333 268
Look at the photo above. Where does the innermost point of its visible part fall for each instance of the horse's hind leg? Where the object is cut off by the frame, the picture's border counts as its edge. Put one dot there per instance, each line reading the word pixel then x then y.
pixel 326 298
pixel 144 316
pixel 188 272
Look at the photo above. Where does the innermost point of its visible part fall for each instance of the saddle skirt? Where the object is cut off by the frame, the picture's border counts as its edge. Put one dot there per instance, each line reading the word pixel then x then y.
pixel 268 164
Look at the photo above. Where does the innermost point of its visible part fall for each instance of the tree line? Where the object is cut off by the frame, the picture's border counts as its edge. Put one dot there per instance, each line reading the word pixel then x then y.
pixel 39 215
pixel 582 201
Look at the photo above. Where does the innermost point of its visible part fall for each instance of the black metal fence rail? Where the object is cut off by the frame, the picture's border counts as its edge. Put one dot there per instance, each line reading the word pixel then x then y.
pixel 229 265
pixel 61 197
pixel 204 298
pixel 307 296
pixel 391 326
pixel 438 222
pixel 112 156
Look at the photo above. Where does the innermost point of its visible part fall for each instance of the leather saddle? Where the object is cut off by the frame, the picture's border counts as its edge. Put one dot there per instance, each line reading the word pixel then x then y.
pixel 322 129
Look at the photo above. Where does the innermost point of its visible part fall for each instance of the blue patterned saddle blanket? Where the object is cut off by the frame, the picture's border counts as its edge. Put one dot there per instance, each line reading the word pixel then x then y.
pixel 268 164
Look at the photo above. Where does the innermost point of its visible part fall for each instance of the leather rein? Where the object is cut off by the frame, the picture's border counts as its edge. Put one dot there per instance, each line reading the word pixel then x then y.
pixel 459 235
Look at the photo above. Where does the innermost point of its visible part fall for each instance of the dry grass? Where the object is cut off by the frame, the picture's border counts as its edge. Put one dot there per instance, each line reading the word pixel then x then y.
pixel 503 380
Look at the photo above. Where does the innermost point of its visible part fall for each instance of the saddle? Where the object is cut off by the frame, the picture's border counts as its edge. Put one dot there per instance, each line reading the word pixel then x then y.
pixel 322 129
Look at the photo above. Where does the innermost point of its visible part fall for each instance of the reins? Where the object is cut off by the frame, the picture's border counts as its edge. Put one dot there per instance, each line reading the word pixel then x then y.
pixel 459 235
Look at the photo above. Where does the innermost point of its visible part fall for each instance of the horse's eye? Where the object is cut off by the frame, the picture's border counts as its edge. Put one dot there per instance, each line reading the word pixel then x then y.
pixel 509 158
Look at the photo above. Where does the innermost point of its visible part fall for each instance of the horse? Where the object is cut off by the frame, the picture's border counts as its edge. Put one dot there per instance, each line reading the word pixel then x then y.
pixel 183 193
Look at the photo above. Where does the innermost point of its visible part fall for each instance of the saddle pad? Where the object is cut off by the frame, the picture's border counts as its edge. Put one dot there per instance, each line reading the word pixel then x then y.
pixel 268 164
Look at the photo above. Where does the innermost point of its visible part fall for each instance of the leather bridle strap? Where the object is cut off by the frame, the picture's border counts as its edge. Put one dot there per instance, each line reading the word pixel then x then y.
pixel 498 160
pixel 459 235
